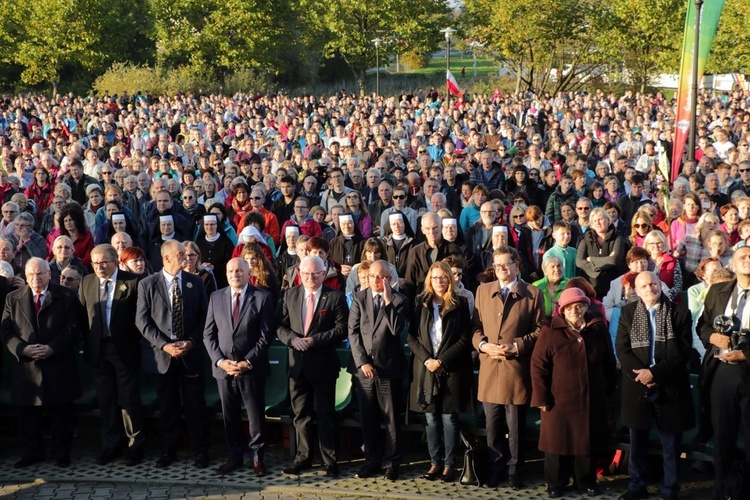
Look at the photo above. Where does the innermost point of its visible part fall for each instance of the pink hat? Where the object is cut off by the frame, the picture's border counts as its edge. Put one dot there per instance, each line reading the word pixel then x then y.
pixel 572 296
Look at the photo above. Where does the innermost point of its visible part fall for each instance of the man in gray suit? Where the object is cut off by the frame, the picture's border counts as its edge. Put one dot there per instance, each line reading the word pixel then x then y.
pixel 376 320
pixel 239 331
pixel 111 344
pixel 171 313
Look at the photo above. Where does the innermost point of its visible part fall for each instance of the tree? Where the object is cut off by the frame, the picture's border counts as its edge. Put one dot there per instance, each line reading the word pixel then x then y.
pixel 347 28
pixel 730 51
pixel 536 37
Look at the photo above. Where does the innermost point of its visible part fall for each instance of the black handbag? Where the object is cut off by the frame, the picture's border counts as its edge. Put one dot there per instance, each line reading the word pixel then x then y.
pixel 472 471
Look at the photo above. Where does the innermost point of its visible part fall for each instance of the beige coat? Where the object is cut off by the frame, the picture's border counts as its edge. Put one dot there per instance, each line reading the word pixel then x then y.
pixel 517 320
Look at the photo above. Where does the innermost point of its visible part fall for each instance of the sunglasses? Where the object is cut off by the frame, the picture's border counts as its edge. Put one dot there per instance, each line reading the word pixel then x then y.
pixel 641 226
pixel 399 196
pixel 256 197
pixel 583 208
pixel 743 170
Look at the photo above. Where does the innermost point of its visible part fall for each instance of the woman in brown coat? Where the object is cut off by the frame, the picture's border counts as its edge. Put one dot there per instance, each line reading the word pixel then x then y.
pixel 573 368
pixel 442 384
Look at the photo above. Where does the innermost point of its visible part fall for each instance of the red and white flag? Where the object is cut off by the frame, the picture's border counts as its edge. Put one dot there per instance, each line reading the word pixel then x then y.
pixel 450 81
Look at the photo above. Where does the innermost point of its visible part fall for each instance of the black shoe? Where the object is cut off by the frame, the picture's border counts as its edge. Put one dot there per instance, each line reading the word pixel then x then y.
pixel 26 462
pixel 133 457
pixel 391 473
pixel 554 492
pixel 229 467
pixel 634 494
pixel 368 471
pixel 495 479
pixel 165 460
pixel 297 467
pixel 332 471
pixel 450 476
pixel 433 474
pixel 107 456
pixel 63 462
pixel 515 482
pixel 201 460
pixel 593 491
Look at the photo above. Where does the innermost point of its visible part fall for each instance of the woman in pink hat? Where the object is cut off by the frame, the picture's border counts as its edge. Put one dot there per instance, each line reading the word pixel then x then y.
pixel 572 370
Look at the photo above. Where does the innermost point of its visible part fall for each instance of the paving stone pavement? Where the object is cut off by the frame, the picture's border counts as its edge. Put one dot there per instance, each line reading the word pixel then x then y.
pixel 85 479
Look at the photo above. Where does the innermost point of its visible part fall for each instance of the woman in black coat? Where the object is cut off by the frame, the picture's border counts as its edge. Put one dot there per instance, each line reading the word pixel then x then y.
pixel 442 384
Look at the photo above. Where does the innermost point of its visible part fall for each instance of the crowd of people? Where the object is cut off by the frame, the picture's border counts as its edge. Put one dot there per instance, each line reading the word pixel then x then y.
pixel 534 236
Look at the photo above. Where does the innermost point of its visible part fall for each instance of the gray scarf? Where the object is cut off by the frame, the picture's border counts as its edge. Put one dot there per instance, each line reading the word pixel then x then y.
pixel 641 331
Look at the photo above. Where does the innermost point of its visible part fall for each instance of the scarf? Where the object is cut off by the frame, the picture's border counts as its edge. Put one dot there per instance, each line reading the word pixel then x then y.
pixel 640 336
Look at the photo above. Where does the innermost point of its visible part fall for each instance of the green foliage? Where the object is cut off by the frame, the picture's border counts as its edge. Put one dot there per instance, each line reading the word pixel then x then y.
pixel 415 59
pixel 731 48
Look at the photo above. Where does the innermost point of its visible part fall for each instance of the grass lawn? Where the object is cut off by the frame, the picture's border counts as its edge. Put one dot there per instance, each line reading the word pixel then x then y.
pixel 485 67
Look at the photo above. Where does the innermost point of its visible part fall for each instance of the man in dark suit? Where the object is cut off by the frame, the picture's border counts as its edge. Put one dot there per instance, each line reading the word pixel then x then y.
pixel 376 320
pixel 725 382
pixel 112 348
pixel 312 324
pixel 653 345
pixel 40 327
pixel 238 333
pixel 170 315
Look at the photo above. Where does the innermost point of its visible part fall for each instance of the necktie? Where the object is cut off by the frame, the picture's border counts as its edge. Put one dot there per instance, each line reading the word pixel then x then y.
pixel 741 306
pixel 310 312
pixel 37 303
pixel 104 295
pixel 377 304
pixel 652 330
pixel 235 308
pixel 504 293
pixel 177 327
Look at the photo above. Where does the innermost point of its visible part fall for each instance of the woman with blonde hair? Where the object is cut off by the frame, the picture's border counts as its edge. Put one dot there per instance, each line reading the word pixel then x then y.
pixel 262 274
pixel 640 226
pixel 442 385
pixel 665 265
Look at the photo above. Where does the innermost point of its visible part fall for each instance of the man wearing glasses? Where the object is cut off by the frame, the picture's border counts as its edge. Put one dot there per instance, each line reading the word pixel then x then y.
pixel 313 323
pixel 112 349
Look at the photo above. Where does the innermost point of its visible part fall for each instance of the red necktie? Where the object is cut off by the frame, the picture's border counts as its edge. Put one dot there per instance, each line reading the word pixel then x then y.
pixel 37 303
pixel 310 312
pixel 235 308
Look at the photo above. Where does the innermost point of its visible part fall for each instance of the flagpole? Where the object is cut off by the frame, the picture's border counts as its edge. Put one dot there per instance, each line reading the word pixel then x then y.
pixel 448 32
pixel 694 95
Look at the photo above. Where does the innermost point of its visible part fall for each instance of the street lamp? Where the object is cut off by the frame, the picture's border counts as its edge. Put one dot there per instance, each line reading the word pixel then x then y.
pixel 448 32
pixel 474 46
pixel 377 42
pixel 694 95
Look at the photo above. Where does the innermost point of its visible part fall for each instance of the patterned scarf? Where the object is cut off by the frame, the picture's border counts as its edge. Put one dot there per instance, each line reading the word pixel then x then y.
pixel 641 330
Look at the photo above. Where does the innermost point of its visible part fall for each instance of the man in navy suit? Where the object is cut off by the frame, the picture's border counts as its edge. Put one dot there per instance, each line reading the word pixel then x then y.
pixel 171 312
pixel 312 324
pixel 377 318
pixel 238 333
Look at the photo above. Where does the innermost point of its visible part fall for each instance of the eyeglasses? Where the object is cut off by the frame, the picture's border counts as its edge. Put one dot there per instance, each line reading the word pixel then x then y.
pixel 300 207
pixel 102 263
pixel 191 255
pixel 376 278
pixel 583 208
pixel 188 197
pixel 69 278
pixel 520 216
pixel 458 274
pixel 311 275
pixel 641 226
pixel 399 196
pixel 502 265
pixel 488 212
pixel 743 170
pixel 256 198
pixel 439 278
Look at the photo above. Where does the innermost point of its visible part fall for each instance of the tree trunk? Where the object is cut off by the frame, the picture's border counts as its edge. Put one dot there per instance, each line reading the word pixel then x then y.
pixel 518 78
pixel 361 82
pixel 55 84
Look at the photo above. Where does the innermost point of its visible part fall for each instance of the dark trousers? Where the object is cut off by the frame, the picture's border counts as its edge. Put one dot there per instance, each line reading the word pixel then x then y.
pixel 30 428
pixel 508 450
pixel 730 409
pixel 252 391
pixel 557 469
pixel 179 379
pixel 321 396
pixel 378 399
pixel 118 392
pixel 638 463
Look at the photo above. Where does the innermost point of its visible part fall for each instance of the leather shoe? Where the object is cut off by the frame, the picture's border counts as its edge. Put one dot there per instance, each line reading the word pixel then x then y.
pixel 165 460
pixel 634 494
pixel 201 460
pixel 228 467
pixel 297 467
pixel 367 471
pixel 63 462
pixel 449 475
pixel 259 468
pixel 432 475
pixel 133 457
pixel 332 470
pixel 515 482
pixel 107 456
pixel 26 462
pixel 554 492
pixel 391 473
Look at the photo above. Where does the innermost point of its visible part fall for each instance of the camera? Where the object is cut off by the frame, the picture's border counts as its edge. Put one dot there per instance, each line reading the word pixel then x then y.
pixel 740 337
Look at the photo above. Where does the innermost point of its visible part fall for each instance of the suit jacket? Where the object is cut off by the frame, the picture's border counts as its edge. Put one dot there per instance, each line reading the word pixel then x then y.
pixel 518 319
pixel 417 265
pixel 154 320
pixel 125 335
pixel 321 362
pixel 249 339
pixel 54 380
pixel 377 339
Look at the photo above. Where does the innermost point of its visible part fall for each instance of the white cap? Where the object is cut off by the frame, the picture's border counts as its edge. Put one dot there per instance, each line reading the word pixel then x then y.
pixel 499 229
pixel 250 232
pixel 291 229
pixel 450 222
pixel 116 217
pixel 166 218
pixel 210 218
pixel 392 217
pixel 346 217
